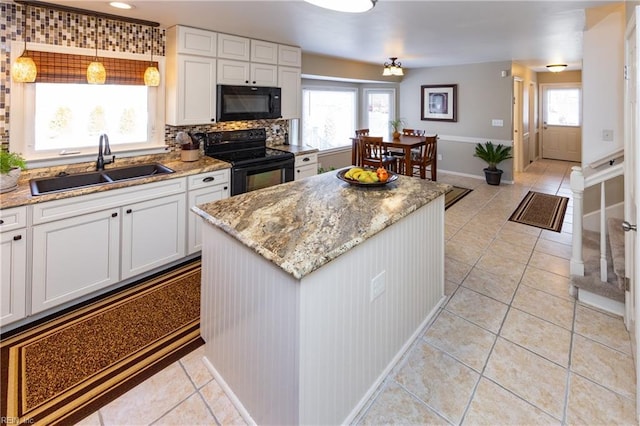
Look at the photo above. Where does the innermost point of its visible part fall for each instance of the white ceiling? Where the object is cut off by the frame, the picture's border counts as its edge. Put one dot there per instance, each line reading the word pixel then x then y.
pixel 421 33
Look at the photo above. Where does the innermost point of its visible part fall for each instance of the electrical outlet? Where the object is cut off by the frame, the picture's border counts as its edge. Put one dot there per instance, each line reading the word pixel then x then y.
pixel 439 157
pixel 497 123
pixel 377 286
pixel 607 135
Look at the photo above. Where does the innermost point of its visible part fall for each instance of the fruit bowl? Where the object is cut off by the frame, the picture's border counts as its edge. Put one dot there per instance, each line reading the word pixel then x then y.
pixel 341 175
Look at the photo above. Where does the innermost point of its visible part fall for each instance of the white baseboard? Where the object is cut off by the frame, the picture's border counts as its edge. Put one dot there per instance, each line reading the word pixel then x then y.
pixel 602 303
pixel 591 221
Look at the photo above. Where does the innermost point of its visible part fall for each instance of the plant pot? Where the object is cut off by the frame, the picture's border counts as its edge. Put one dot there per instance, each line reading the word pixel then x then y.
pixel 396 135
pixel 190 152
pixel 9 181
pixel 493 176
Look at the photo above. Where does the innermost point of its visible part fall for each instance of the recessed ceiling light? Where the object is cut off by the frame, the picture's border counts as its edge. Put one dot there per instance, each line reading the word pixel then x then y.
pixel 120 5
pixel 353 6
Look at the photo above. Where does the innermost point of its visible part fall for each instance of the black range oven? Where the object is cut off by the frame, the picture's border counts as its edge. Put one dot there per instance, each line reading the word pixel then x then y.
pixel 254 166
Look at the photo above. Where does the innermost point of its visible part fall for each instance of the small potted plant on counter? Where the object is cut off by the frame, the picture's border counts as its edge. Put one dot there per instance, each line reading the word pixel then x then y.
pixel 492 155
pixel 11 164
pixel 396 125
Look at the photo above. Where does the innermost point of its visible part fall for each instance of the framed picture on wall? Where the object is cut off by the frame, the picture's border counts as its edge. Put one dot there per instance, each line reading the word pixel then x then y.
pixel 439 102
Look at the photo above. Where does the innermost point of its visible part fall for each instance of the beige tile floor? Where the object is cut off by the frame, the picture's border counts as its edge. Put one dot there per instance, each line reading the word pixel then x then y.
pixel 509 347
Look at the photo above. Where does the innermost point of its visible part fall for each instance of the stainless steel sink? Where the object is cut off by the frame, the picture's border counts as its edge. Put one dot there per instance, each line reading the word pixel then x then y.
pixel 65 182
pixel 137 171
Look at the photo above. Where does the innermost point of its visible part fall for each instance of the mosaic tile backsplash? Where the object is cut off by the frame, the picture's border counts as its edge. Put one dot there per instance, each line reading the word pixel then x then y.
pixel 49 26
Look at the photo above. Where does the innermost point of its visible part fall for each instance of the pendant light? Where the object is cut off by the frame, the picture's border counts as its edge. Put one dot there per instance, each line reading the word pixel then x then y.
pixel 96 74
pixel 23 69
pixel 151 74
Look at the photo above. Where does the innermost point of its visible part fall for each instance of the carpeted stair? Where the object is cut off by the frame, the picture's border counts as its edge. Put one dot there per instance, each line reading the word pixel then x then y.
pixel 614 287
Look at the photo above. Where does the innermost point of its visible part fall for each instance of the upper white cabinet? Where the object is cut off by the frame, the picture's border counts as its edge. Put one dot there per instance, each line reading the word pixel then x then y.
pixel 264 52
pixel 289 56
pixel 191 90
pixel 246 73
pixel 233 47
pixel 289 80
pixel 193 41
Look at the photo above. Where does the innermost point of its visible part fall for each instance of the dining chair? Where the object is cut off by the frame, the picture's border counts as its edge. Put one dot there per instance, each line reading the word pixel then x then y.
pixel 372 154
pixel 362 132
pixel 408 132
pixel 424 158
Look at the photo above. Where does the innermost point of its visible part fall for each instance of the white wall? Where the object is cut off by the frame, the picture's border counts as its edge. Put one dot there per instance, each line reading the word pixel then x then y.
pixel 483 95
pixel 603 85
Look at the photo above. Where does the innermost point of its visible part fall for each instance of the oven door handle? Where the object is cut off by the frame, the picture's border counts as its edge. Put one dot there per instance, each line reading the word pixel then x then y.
pixel 266 167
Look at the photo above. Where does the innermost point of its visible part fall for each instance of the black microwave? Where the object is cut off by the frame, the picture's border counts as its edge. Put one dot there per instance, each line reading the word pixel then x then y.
pixel 235 103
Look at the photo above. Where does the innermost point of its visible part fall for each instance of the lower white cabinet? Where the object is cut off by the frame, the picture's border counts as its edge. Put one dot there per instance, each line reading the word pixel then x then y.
pixel 153 234
pixel 203 188
pixel 73 257
pixel 306 165
pixel 13 275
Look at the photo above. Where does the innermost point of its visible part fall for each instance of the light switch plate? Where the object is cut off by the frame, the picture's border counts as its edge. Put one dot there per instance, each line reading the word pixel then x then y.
pixel 497 123
pixel 607 135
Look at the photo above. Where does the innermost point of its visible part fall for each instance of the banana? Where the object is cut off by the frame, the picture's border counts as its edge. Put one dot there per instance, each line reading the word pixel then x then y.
pixel 351 173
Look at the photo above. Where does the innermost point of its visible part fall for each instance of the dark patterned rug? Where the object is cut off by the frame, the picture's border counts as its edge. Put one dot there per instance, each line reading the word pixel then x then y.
pixel 63 370
pixel 541 210
pixel 454 195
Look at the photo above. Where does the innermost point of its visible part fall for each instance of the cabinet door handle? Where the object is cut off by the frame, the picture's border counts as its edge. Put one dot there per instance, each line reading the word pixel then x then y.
pixel 208 179
pixel 306 159
pixel 114 214
pixel 129 211
pixel 1 222
pixel 246 81
pixel 213 120
pixel 226 187
pixel 17 237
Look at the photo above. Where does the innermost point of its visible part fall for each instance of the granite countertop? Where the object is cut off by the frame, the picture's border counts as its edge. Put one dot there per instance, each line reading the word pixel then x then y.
pixel 302 225
pixel 22 194
pixel 296 149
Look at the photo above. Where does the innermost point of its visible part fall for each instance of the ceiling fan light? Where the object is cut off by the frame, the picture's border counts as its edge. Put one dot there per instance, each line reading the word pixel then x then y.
pixel 351 6
pixel 556 67
pixel 24 70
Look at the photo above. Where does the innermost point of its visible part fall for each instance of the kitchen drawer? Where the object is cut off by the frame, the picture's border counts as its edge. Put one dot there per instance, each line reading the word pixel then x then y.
pixel 208 179
pixel 14 218
pixel 305 159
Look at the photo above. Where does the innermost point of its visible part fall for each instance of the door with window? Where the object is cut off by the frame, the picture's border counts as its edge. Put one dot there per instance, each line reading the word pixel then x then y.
pixel 562 121
pixel 379 109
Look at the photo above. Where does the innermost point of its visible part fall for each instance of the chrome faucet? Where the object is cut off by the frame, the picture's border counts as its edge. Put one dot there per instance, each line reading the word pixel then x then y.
pixel 106 152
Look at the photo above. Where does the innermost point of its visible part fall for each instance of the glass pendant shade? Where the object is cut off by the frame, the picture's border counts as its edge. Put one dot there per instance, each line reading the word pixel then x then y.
pixel 23 70
pixel 96 74
pixel 392 68
pixel 151 76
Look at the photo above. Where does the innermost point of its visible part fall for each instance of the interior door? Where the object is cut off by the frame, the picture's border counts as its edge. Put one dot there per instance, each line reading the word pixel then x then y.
pixel 562 117
pixel 518 147
pixel 631 187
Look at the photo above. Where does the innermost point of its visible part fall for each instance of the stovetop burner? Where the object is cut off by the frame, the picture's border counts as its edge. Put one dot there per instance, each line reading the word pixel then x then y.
pixel 241 147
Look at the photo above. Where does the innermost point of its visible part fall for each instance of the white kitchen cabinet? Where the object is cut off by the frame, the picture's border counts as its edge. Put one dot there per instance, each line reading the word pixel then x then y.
pixel 239 73
pixel 234 47
pixel 13 264
pixel 191 90
pixel 153 234
pixel 306 165
pixel 203 188
pixel 193 41
pixel 264 52
pixel 289 56
pixel 289 80
pixel 80 243
pixel 73 257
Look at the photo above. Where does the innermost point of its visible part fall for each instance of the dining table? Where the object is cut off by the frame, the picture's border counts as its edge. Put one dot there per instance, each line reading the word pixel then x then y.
pixel 404 142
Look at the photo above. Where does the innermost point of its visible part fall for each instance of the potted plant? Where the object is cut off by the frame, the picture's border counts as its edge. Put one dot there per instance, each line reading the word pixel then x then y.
pixel 396 126
pixel 10 166
pixel 493 155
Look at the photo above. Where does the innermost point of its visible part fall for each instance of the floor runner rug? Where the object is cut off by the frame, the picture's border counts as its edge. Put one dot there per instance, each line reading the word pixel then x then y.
pixel 454 195
pixel 541 210
pixel 64 369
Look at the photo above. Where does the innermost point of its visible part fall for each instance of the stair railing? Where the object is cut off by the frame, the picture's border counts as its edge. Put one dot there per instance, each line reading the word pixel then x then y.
pixel 596 173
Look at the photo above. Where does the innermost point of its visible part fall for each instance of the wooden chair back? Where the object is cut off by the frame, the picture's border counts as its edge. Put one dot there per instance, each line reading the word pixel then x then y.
pixel 428 157
pixel 408 132
pixel 362 132
pixel 372 153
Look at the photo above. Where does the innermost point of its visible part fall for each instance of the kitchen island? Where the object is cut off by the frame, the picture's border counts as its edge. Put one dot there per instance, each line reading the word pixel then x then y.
pixel 313 289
